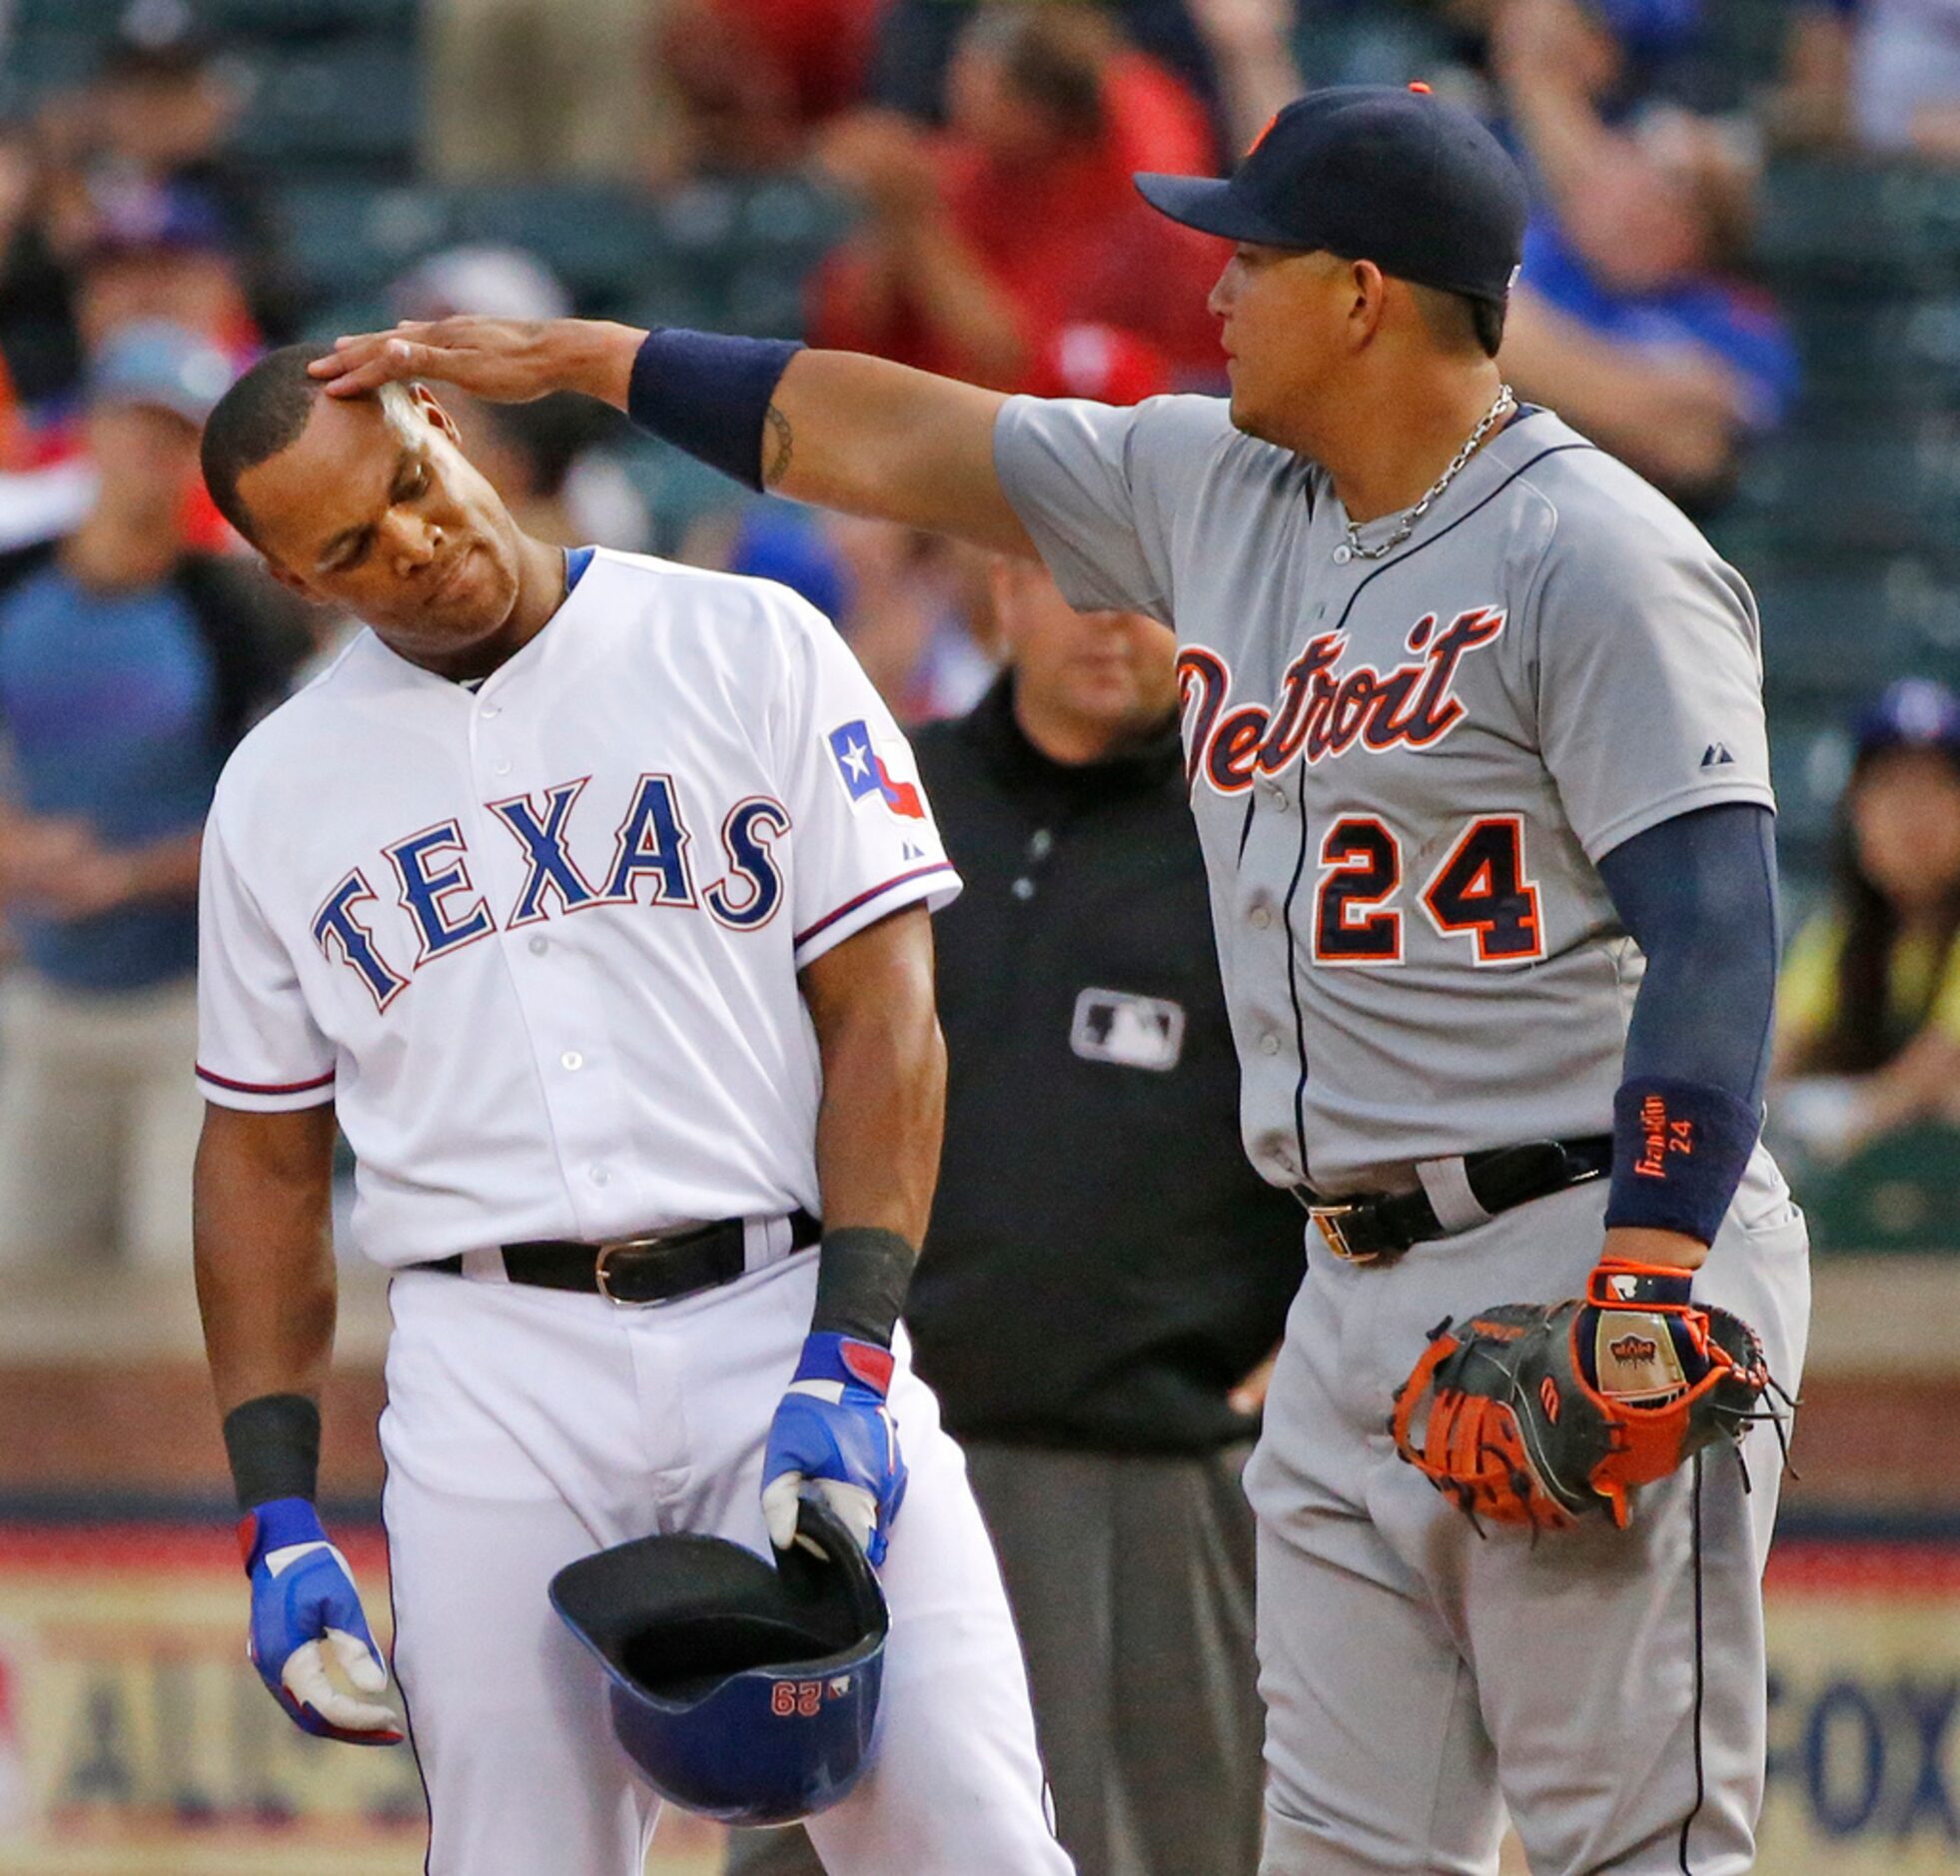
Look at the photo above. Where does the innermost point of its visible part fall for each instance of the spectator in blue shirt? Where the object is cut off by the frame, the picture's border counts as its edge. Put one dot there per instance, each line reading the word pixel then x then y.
pixel 128 669
pixel 1626 317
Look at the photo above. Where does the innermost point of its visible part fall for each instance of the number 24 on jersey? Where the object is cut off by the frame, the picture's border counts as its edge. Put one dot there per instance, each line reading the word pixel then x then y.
pixel 1481 892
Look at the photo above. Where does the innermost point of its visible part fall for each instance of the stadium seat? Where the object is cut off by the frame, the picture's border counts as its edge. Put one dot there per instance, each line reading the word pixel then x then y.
pixel 1868 354
pixel 90 18
pixel 1827 625
pixel 1902 1193
pixel 591 236
pixel 235 20
pixel 679 492
pixel 1384 44
pixel 42 59
pixel 359 312
pixel 1809 763
pixel 733 254
pixel 673 294
pixel 353 103
pixel 1830 220
pixel 1883 491
pixel 347 237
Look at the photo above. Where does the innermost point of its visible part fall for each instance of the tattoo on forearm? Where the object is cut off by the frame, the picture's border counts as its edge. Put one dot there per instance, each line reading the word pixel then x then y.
pixel 776 448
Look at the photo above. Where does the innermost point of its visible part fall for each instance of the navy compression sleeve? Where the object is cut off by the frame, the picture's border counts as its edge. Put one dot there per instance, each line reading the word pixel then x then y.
pixel 1698 894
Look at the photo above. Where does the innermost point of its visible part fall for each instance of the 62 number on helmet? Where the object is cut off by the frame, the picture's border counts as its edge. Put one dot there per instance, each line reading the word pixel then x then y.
pixel 797 1699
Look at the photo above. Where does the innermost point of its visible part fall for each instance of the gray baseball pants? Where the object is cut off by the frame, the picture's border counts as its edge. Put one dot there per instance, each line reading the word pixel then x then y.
pixel 1606 1686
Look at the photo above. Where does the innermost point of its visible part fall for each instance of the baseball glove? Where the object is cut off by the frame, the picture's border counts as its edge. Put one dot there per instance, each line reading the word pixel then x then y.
pixel 1536 1414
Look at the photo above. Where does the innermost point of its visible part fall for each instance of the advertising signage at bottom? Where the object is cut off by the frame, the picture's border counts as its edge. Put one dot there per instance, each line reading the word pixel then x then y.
pixel 135 1739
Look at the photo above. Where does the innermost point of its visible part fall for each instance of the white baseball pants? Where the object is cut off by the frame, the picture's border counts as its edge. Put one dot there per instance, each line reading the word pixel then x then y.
pixel 527 1427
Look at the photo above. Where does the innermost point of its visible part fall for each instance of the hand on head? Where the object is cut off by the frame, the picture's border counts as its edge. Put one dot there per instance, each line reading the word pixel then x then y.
pixel 504 361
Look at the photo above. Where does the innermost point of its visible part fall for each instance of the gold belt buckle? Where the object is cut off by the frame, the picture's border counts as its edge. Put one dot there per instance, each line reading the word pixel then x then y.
pixel 651 1242
pixel 1327 1218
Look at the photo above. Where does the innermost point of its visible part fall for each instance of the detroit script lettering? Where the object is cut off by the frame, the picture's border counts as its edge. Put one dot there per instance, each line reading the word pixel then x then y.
pixel 1323 710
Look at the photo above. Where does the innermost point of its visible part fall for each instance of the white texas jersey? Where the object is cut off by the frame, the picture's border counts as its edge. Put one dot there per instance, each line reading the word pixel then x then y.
pixel 539 942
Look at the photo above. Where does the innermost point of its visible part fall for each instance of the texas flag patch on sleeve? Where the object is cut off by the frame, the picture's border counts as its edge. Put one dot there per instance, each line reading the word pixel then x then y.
pixel 864 774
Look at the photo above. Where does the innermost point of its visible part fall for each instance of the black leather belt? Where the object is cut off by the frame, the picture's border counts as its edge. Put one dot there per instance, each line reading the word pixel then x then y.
pixel 656 1269
pixel 1367 1230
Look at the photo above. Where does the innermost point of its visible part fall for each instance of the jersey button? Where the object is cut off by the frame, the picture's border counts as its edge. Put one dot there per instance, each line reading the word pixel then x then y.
pixel 500 768
pixel 1041 846
pixel 1260 918
pixel 490 709
pixel 1269 1044
pixel 597 1175
pixel 1023 888
pixel 571 1059
pixel 540 945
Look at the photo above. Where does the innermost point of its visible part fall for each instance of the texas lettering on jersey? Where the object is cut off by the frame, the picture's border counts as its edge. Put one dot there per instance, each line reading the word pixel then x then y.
pixel 650 865
pixel 1323 710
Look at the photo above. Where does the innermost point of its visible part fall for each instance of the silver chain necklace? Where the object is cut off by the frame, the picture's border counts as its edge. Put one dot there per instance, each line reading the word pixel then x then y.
pixel 1352 549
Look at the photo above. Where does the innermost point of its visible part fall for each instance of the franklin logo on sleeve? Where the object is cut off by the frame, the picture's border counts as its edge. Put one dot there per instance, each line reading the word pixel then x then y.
pixel 865 775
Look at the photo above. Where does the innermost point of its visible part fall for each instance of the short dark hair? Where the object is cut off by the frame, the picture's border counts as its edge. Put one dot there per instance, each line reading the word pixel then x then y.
pixel 1461 319
pixel 253 421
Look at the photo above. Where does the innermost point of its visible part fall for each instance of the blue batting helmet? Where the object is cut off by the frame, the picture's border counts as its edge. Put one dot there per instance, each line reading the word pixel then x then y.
pixel 741 1691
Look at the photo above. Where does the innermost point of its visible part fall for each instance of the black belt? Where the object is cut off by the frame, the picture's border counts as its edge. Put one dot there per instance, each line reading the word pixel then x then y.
pixel 655 1269
pixel 1367 1230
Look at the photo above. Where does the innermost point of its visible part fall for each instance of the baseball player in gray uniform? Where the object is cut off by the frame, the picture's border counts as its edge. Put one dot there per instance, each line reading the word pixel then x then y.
pixel 1474 728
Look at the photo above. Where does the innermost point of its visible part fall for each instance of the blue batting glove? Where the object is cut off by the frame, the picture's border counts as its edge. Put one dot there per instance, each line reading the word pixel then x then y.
pixel 833 1428
pixel 303 1607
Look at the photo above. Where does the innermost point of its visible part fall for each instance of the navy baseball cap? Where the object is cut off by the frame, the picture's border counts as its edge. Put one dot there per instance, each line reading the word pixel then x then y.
pixel 1914 713
pixel 1371 173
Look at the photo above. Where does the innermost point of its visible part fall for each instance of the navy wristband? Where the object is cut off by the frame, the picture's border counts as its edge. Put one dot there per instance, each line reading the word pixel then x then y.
pixel 272 1443
pixel 1679 1150
pixel 863 1272
pixel 709 394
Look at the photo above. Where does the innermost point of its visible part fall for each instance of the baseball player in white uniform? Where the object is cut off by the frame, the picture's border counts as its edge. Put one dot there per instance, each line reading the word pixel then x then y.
pixel 589 894
pixel 1475 733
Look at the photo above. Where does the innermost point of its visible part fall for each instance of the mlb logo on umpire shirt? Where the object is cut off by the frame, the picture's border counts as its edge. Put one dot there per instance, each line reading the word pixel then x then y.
pixel 865 773
pixel 1132 1031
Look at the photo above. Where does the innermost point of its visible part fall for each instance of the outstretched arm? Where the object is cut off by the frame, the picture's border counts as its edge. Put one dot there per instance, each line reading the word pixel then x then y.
pixel 835 428
pixel 872 438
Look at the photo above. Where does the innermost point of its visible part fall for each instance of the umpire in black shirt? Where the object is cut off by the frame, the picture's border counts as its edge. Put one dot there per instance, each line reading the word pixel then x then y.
pixel 1104 1274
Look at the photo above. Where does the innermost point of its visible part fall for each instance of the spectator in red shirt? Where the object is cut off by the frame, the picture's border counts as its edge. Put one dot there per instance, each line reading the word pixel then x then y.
pixel 981 245
pixel 749 80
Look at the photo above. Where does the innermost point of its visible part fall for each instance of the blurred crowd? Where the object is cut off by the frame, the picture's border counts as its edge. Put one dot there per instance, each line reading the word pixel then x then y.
pixel 982 151
pixel 1868 1022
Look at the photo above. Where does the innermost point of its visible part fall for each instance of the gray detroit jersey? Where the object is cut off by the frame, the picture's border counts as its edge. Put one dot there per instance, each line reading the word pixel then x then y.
pixel 1405 770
